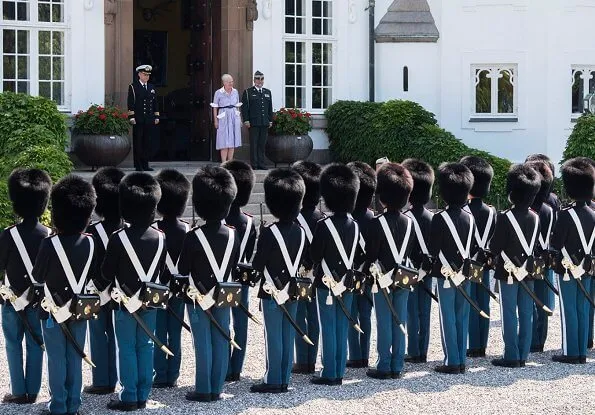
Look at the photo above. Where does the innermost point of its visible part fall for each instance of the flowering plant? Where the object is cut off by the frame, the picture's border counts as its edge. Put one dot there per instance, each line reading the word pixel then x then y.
pixel 108 120
pixel 291 121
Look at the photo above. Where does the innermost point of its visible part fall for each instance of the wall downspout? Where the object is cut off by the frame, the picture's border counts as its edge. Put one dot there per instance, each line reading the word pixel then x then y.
pixel 371 46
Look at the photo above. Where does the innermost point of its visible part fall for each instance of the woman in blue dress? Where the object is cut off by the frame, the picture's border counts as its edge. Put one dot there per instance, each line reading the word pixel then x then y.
pixel 227 118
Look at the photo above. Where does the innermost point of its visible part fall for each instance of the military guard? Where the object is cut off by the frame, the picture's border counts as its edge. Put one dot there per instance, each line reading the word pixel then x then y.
pixel 143 114
pixel 546 220
pixel 29 190
pixel 361 309
pixel 391 239
pixel 134 261
pixel 257 113
pixel 209 254
pixel 513 244
pixel 573 237
pixel 333 251
pixel 307 311
pixel 65 263
pixel 246 228
pixel 175 188
pixel 101 330
pixel 281 249
pixel 419 304
pixel 485 223
pixel 451 243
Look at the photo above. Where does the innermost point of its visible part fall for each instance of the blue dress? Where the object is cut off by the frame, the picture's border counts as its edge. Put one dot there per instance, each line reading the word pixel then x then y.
pixel 229 133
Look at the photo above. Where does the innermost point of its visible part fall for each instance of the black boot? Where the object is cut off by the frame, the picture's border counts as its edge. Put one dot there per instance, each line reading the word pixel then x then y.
pixel 448 369
pixel 99 390
pixel 266 388
pixel 198 397
pixel 378 374
pixel 506 363
pixel 560 358
pixel 118 405
pixel 16 399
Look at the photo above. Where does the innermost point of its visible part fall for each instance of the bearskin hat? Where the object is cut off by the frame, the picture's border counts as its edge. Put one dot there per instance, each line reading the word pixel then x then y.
pixel 106 182
pixel 29 191
pixel 139 195
pixel 284 190
pixel 367 184
pixel 455 181
pixel 339 186
pixel 544 158
pixel 482 175
pixel 522 184
pixel 546 179
pixel 213 191
pixel 394 185
pixel 175 188
pixel 578 176
pixel 244 177
pixel 310 173
pixel 423 180
pixel 73 200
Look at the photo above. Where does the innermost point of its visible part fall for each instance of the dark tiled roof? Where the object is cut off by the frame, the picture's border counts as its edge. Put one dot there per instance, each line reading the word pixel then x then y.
pixel 407 21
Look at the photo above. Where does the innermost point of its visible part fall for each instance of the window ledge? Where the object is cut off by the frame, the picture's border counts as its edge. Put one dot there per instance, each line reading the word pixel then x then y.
pixel 494 119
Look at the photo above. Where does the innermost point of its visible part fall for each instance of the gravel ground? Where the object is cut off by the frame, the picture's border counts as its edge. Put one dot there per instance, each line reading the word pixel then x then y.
pixel 542 386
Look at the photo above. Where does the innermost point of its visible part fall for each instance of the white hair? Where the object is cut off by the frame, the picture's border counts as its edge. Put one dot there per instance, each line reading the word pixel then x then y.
pixel 226 77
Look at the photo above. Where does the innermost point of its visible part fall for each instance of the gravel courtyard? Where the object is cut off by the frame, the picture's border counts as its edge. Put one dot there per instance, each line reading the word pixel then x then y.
pixel 542 386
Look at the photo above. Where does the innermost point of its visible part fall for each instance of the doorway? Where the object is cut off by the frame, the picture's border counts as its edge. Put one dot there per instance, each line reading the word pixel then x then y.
pixel 176 38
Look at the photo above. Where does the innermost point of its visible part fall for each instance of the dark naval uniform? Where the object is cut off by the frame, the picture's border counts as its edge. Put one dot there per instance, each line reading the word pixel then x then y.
pixel 307 311
pixel 18 279
pixel 65 376
pixel 269 260
pixel 591 310
pixel 168 328
pixel 419 304
pixel 361 309
pixel 574 306
pixel 101 330
pixel 142 107
pixel 454 309
pixel 333 322
pixel 134 347
pixel 210 347
pixel 257 108
pixel 485 223
pixel 240 221
pixel 516 306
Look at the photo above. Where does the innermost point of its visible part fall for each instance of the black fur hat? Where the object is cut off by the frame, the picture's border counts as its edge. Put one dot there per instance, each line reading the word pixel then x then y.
pixel 455 181
pixel 546 178
pixel 284 190
pixel 522 184
pixel 244 177
pixel 578 176
pixel 339 186
pixel 482 175
pixel 29 191
pixel 139 195
pixel 106 182
pixel 394 185
pixel 542 157
pixel 310 173
pixel 213 191
pixel 175 188
pixel 423 180
pixel 73 200
pixel 367 183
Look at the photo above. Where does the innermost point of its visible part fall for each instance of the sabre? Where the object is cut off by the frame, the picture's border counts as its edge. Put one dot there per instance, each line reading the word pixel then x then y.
pixel 585 292
pixel 179 318
pixel 551 286
pixel 490 293
pixel 429 292
pixel 511 268
pixel 448 272
pixel 377 273
pixel 330 282
pixel 11 296
pixel 249 314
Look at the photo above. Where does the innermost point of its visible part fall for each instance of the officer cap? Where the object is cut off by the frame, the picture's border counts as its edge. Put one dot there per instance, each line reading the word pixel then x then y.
pixel 455 181
pixel 144 68
pixel 213 191
pixel 73 200
pixel 310 173
pixel 29 191
pixel 106 182
pixel 175 188
pixel 258 75
pixel 522 184
pixel 339 186
pixel 284 190
pixel 139 195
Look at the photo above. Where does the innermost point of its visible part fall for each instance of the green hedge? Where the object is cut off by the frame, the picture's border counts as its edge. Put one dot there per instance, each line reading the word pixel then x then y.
pixel 32 135
pixel 582 140
pixel 398 130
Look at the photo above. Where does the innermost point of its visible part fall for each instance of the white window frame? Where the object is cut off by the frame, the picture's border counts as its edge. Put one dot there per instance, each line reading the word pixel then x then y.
pixel 494 115
pixel 308 39
pixel 581 68
pixel 34 26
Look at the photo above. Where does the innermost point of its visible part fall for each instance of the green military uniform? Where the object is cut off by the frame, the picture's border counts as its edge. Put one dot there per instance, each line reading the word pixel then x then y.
pixel 257 109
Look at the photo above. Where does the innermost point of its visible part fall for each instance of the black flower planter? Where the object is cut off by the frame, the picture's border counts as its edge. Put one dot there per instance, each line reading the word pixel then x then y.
pixel 288 148
pixel 101 150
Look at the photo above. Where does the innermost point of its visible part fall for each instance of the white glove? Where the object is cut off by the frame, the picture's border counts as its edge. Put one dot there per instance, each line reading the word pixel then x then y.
pixel 577 271
pixel 521 273
pixel 282 295
pixel 21 302
pixel 385 280
pixel 63 313
pixel 104 296
pixel 207 300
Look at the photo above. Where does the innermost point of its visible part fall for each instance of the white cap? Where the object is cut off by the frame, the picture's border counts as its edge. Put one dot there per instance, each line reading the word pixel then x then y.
pixel 144 68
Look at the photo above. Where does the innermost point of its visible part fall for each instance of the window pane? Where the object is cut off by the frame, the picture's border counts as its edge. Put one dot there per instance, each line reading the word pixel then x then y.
pixel 22 41
pixel 9 41
pixel 22 11
pixel 505 93
pixel 9 67
pixel 58 92
pixel 57 43
pixel 300 75
pixel 316 97
pixel 326 9
pixel 577 93
pixel 316 8
pixel 289 97
pixel 289 25
pixel 592 83
pixel 300 26
pixel 23 67
pixel 45 67
pixel 43 14
pixel 289 75
pixel 300 56
pixel 23 87
pixel 483 92
pixel 57 13
pixel 327 78
pixel 316 75
pixel 289 52
pixel 8 10
pixel 44 42
pixel 57 68
pixel 300 97
pixel 316 26
pixel 290 7
pixel 9 86
pixel 316 53
pixel 326 97
pixel 45 89
pixel 300 9
pixel 327 56
pixel 327 27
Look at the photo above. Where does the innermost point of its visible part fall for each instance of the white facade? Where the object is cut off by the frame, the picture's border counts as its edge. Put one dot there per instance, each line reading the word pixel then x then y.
pixel 535 43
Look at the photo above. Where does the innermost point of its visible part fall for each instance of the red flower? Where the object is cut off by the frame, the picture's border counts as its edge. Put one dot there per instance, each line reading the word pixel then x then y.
pixel 100 108
pixel 293 115
pixel 102 117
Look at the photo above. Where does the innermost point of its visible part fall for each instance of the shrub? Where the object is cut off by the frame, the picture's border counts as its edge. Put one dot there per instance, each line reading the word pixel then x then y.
pixel 582 139
pixel 108 120
pixel 291 121
pixel 398 130
pixel 31 135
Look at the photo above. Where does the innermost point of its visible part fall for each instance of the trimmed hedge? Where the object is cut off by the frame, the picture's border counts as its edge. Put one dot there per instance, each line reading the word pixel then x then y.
pixel 582 139
pixel 398 130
